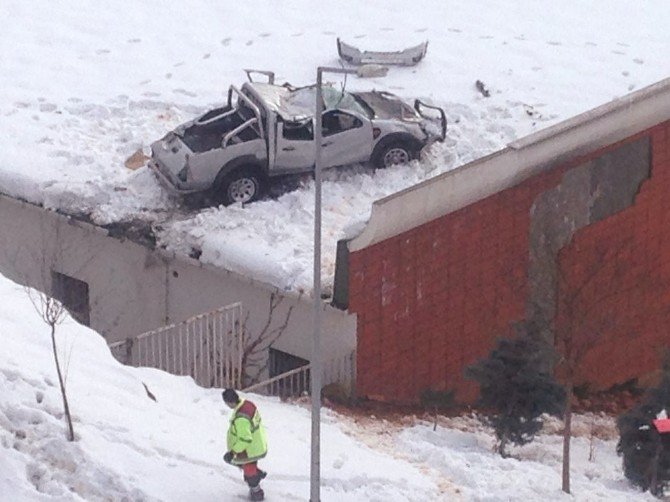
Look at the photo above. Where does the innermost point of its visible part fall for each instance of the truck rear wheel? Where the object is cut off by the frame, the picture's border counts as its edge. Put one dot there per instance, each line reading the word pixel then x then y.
pixel 242 185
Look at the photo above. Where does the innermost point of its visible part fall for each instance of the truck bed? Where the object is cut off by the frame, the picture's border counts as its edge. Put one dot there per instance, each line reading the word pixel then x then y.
pixel 204 137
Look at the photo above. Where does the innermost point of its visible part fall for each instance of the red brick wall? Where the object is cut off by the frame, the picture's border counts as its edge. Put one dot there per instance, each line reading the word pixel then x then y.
pixel 628 326
pixel 432 300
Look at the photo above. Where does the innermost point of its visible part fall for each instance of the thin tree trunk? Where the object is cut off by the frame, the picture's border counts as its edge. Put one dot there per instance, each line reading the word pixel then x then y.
pixel 567 431
pixel 653 484
pixel 62 385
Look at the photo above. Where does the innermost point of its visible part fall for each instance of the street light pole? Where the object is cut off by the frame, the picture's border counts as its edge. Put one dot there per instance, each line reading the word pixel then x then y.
pixel 317 363
pixel 315 372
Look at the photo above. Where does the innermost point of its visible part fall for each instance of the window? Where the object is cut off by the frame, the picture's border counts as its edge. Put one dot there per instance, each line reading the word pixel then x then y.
pixel 73 294
pixel 336 121
pixel 298 131
pixel 294 385
pixel 281 362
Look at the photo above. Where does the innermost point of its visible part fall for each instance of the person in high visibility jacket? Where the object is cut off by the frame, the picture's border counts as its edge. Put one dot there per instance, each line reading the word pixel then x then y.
pixel 246 441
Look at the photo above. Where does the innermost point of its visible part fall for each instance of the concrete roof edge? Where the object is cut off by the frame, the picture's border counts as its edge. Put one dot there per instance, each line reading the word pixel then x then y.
pixel 521 159
pixel 164 254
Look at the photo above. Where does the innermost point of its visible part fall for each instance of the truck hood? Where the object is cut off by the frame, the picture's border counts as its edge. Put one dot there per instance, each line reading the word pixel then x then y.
pixel 388 106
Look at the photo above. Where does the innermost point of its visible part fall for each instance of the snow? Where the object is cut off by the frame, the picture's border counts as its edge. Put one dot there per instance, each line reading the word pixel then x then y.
pixel 85 86
pixel 131 448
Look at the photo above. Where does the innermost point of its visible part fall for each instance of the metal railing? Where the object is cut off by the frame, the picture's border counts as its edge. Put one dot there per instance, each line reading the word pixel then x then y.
pixel 208 347
pixel 341 371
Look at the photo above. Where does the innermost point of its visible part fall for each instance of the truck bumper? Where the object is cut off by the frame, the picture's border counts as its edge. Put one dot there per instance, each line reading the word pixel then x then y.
pixel 170 182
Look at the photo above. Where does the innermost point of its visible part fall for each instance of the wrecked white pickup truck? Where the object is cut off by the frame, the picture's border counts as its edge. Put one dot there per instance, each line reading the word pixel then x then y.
pixel 265 130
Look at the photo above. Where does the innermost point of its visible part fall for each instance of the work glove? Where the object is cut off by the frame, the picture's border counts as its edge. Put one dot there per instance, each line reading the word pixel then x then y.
pixel 228 457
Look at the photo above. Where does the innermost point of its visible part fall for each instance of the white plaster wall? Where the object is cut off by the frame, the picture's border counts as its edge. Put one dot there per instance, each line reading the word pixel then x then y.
pixel 133 289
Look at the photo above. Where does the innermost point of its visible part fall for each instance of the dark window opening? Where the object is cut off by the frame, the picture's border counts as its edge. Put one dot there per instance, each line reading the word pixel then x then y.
pixel 298 131
pixel 283 362
pixel 73 294
pixel 336 121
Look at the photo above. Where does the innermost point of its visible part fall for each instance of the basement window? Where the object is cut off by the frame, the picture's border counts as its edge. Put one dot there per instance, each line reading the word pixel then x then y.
pixel 292 385
pixel 281 362
pixel 73 294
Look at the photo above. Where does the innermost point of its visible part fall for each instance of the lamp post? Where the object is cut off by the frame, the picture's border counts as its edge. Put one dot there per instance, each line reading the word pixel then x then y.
pixel 316 363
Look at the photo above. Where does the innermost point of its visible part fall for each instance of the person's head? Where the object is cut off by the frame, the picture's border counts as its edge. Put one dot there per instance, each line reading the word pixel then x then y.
pixel 230 397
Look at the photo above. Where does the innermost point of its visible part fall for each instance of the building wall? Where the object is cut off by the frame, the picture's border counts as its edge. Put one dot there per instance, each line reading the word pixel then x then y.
pixel 133 289
pixel 432 300
pixel 628 328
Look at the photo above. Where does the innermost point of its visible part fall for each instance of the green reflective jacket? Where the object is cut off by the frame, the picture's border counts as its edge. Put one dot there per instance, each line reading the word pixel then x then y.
pixel 246 434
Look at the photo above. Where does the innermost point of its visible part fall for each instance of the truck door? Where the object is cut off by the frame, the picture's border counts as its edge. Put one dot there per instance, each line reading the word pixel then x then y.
pixel 295 146
pixel 347 138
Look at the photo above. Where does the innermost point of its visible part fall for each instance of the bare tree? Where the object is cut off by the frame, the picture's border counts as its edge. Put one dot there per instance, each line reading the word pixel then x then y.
pixel 581 322
pixel 254 356
pixel 53 313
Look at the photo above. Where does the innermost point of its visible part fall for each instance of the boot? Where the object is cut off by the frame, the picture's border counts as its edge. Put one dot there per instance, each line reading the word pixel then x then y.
pixel 256 493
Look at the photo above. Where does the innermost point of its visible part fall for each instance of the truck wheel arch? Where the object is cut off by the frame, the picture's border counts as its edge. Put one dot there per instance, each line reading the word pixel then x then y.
pixel 408 141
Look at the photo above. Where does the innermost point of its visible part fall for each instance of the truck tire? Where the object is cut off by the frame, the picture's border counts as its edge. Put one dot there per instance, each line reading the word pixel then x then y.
pixel 242 185
pixel 393 153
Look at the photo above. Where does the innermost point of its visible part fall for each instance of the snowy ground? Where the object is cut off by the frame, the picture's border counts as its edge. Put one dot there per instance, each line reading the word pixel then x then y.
pixel 85 84
pixel 130 448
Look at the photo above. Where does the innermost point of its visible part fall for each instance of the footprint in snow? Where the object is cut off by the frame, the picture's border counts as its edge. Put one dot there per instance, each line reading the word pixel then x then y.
pixel 623 44
pixel 360 36
pixel 299 34
pixel 134 40
pixel 185 92
pixel 328 32
pixel 620 53
pixel 102 51
pixel 638 61
pixel 151 94
pixel 206 56
pixel 226 41
pixel 625 73
pixel 48 107
pixel 521 38
pixel 168 75
pixel 631 87
pixel 455 30
pixel 145 82
pixel 592 44
pixel 386 28
pixel 485 37
pixel 420 30
pixel 536 68
pixel 553 42
pixel 264 35
pixel 249 42
pixel 176 65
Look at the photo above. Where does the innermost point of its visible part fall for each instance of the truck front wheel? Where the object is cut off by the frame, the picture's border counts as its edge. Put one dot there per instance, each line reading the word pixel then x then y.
pixel 243 185
pixel 393 153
